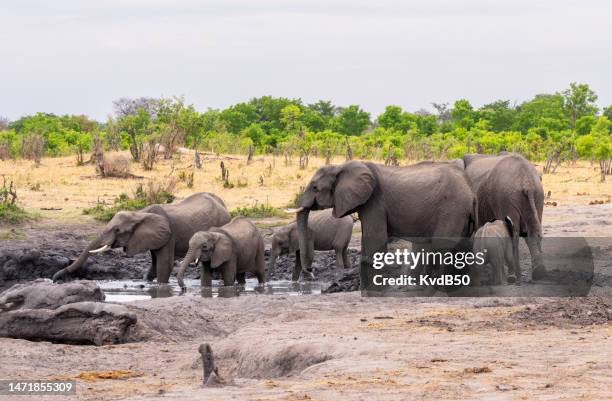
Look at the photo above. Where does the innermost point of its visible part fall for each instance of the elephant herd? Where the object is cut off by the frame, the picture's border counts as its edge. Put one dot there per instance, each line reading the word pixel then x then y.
pixel 439 204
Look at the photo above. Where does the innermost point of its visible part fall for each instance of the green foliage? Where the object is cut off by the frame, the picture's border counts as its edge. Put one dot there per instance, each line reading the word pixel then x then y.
pixel 13 214
pixel 142 197
pixel 10 212
pixel 291 128
pixel 258 210
pixel 352 120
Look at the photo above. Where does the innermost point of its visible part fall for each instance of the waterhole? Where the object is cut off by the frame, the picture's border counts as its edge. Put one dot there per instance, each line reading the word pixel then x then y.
pixel 135 290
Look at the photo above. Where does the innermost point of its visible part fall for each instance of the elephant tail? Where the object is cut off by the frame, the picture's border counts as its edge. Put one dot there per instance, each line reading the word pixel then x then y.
pixel 473 220
pixel 534 217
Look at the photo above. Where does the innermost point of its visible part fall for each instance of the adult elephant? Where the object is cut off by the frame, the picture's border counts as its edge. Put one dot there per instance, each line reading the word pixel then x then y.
pixel 327 233
pixel 507 185
pixel 164 230
pixel 423 201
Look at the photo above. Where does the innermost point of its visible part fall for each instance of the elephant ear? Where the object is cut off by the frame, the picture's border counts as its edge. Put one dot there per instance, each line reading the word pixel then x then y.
pixel 354 186
pixel 151 232
pixel 222 252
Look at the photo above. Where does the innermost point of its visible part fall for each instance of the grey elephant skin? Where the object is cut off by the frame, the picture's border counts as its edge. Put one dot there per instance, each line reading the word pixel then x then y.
pixel 234 249
pixel 509 185
pixel 494 240
pixel 421 201
pixel 164 230
pixel 327 233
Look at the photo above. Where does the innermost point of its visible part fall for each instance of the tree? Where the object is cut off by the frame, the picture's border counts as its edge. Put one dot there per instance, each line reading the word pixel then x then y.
pixel 607 111
pixel 4 123
pixel 500 114
pixel 584 124
pixel 463 114
pixel 290 117
pixel 137 126
pixel 444 113
pixel 391 118
pixel 579 100
pixel 352 120
pixel 543 111
pixel 126 106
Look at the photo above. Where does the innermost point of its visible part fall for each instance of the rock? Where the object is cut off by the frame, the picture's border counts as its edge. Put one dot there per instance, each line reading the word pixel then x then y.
pixel 44 294
pixel 76 323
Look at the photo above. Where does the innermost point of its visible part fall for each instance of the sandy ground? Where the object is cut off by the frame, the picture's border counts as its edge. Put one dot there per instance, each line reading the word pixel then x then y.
pixel 343 346
pixel 326 347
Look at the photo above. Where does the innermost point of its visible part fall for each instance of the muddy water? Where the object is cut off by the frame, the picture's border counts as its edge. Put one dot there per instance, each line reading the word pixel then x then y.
pixel 135 290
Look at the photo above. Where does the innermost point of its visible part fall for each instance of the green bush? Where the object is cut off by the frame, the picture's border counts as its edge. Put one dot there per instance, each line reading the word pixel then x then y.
pixel 258 210
pixel 142 197
pixel 13 214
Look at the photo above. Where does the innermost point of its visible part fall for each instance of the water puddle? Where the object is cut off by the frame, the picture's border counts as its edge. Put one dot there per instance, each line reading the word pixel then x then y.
pixel 136 290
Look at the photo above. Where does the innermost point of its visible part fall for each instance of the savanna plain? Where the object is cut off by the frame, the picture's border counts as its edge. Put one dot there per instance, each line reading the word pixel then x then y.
pixel 315 347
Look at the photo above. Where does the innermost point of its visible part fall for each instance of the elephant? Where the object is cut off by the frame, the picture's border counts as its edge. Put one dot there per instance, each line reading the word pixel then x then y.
pixel 327 233
pixel 508 185
pixel 494 241
pixel 430 202
pixel 164 230
pixel 234 248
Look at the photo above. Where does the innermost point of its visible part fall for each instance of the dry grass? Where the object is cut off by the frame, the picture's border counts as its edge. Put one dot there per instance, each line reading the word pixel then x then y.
pixel 59 183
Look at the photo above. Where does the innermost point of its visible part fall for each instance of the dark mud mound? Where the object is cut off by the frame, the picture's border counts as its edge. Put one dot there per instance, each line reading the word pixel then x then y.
pixel 568 312
pixel 348 282
pixel 76 323
pixel 64 313
pixel 324 266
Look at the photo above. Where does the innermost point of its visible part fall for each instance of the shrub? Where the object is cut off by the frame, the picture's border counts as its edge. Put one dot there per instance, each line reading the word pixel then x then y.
pixel 10 212
pixel 152 193
pixel 258 210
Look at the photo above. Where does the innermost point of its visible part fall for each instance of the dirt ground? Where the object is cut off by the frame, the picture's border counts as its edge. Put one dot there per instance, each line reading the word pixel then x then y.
pixel 342 347
pixel 332 346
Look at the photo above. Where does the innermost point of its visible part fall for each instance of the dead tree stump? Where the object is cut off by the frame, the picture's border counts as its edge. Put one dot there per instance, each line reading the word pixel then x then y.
pixel 210 372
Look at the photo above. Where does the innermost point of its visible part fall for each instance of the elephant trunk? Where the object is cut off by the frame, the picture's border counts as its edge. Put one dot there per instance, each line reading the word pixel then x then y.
pixel 274 253
pixel 189 257
pixel 304 240
pixel 93 245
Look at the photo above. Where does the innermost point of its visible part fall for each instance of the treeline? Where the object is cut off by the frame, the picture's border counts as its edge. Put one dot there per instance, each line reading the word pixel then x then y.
pixel 551 127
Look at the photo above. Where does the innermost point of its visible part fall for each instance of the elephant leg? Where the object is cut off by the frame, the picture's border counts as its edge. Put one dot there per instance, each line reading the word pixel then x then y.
pixel 339 259
pixel 228 271
pixel 260 264
pixel 241 277
pixel 345 258
pixel 152 272
pixel 374 239
pixel 537 263
pixel 297 269
pixel 515 277
pixel 164 258
pixel 205 275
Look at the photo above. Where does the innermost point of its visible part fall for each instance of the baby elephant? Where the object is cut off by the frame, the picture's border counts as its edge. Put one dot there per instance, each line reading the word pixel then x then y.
pixel 494 239
pixel 234 249
pixel 328 233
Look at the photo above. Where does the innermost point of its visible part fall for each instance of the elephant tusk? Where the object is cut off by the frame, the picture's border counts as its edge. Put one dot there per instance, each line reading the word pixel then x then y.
pixel 197 261
pixel 104 248
pixel 294 210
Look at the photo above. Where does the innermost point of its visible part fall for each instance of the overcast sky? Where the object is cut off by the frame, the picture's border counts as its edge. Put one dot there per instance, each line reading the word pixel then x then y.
pixel 76 56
